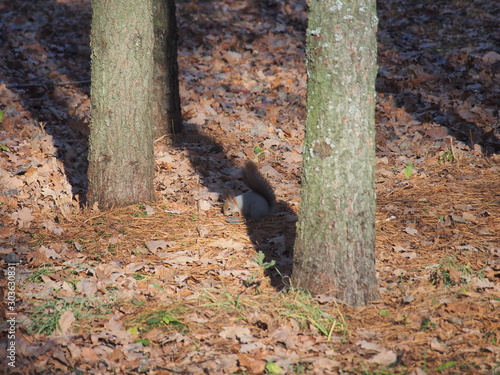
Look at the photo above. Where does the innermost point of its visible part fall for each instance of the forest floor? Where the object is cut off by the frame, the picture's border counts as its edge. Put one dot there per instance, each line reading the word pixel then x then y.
pixel 171 287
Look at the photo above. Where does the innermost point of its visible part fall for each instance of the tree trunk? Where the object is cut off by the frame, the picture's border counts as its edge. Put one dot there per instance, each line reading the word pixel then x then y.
pixel 166 102
pixel 121 159
pixel 335 246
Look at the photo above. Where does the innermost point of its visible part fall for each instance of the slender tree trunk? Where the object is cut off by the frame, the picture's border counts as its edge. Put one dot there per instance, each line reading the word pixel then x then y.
pixel 335 246
pixel 166 102
pixel 121 160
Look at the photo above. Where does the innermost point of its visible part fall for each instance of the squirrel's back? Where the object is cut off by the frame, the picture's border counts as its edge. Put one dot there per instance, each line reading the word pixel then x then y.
pixel 256 203
pixel 256 182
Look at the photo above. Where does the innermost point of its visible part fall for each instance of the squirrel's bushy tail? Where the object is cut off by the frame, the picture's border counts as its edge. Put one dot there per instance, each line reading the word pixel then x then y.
pixel 257 182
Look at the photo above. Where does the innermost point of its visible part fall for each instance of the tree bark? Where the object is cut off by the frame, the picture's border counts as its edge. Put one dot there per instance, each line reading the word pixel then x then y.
pixel 335 246
pixel 166 100
pixel 121 159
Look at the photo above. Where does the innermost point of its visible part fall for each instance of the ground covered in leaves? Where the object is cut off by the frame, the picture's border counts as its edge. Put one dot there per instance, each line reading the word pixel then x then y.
pixel 171 287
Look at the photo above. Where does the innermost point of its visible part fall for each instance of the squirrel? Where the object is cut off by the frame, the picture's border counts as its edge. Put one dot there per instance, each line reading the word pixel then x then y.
pixel 256 203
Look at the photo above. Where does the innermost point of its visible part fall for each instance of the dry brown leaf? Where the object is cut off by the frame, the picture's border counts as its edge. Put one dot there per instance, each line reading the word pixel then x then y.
pixel 227 244
pixel 251 346
pixel 411 230
pixel 116 329
pixel 438 347
pixel 108 272
pixel 89 355
pixel 254 366
pixel 285 336
pixel 7 181
pixel 23 217
pixel 88 286
pixel 49 253
pixel 65 321
pixel 236 332
pixel 154 246
pixel 384 357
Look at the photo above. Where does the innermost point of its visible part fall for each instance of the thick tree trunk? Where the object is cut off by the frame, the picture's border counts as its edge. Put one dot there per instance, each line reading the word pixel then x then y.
pixel 335 246
pixel 121 159
pixel 166 100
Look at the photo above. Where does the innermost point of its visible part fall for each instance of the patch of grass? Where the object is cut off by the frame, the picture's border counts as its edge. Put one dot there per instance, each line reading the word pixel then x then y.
pixel 258 151
pixel 446 365
pixel 252 281
pixel 112 248
pixel 273 368
pixel 39 238
pixel 449 271
pixel 427 324
pixel 137 303
pixel 301 368
pixel 384 312
pixel 98 221
pixel 367 371
pixel 36 276
pixel 302 307
pixel 45 316
pixel 492 338
pixel 136 252
pixel 163 318
pixel 446 156
pixel 228 301
pixel 260 260
pixel 140 210
pixel 144 342
pixel 138 276
pixel 408 171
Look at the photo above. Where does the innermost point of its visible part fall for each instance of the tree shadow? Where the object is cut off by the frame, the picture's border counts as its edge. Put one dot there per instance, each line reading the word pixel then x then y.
pixel 449 85
pixel 274 235
pixel 48 63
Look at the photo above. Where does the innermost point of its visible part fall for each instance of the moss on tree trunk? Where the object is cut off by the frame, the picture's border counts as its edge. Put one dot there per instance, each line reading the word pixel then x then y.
pixel 335 246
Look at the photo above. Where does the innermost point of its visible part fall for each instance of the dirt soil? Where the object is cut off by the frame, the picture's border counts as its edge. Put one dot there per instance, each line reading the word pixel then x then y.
pixel 172 287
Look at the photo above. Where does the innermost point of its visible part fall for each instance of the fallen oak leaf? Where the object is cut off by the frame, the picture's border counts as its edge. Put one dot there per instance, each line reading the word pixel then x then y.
pixel 438 347
pixel 116 329
pixel 88 286
pixel 322 363
pixel 48 252
pixel 411 231
pixel 153 246
pixel 52 227
pixel 469 217
pixel 134 267
pixel 254 366
pixel 65 321
pixel 38 258
pixel 227 244
pixel 180 257
pixel 285 336
pixel 243 334
pixel 251 346
pixel 23 217
pixel 371 346
pixel 8 182
pixel 385 357
pixel 105 271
